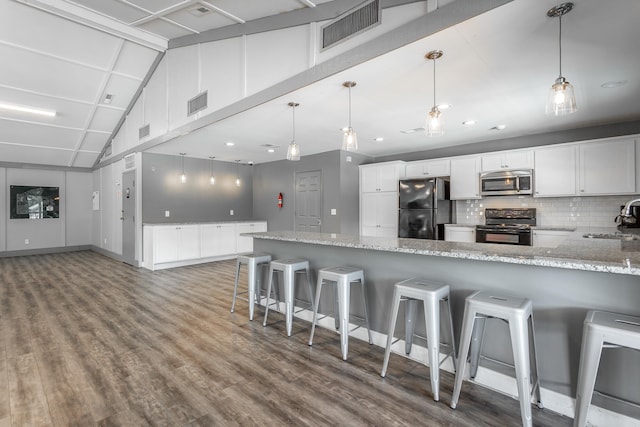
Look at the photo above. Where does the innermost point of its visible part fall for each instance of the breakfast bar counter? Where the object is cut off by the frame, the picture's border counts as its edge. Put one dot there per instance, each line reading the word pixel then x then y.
pixel 565 282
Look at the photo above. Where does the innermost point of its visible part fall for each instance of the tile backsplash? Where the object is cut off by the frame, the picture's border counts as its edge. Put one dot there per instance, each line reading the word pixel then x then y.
pixel 552 211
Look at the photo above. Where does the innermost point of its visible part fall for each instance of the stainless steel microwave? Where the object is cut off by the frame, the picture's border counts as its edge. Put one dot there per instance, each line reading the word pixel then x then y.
pixel 507 183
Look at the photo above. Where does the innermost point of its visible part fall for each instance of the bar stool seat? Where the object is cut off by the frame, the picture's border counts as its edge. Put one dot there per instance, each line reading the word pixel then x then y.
pixel 253 261
pixel 431 294
pixel 341 278
pixel 518 313
pixel 288 268
pixel 601 330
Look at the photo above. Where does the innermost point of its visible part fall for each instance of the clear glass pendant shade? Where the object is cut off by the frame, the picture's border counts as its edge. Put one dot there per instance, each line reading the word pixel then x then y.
pixel 435 123
pixel 350 140
pixel 293 152
pixel 562 99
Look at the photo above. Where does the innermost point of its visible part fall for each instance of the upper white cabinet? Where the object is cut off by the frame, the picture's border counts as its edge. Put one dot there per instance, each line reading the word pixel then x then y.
pixel 555 171
pixel 607 167
pixel 465 178
pixel 380 177
pixel 517 159
pixel 428 168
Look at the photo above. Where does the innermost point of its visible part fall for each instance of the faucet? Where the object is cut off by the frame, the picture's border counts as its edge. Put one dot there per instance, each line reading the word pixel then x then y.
pixel 627 208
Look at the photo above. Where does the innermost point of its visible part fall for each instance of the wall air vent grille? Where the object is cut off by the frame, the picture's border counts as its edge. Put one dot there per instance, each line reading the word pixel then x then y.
pixel 197 103
pixel 351 23
pixel 144 131
pixel 130 161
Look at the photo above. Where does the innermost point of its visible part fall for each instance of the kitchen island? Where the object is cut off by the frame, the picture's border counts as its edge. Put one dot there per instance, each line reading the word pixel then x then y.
pixel 564 283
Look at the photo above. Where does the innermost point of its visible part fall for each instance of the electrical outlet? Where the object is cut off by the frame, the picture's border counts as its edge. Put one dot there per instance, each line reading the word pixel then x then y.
pixel 26 241
pixel 231 212
pixel 334 212
pixel 167 214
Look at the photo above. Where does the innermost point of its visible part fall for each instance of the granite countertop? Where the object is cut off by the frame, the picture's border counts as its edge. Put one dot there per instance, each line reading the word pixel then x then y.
pixel 576 252
pixel 235 221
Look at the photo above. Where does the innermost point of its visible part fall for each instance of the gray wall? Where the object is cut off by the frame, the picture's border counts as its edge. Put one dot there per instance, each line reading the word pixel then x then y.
pixel 196 200
pixel 4 209
pixel 79 208
pixel 339 190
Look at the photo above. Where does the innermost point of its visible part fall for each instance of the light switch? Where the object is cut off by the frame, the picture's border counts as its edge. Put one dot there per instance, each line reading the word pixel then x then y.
pixel 333 212
pixel 231 212
pixel 167 214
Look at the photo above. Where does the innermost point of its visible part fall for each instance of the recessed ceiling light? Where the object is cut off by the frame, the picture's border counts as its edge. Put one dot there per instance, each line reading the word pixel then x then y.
pixel 271 150
pixel 469 122
pixel 498 127
pixel 378 139
pixel 408 131
pixel 444 106
pixel 26 109
pixel 229 144
pixel 250 162
pixel 613 83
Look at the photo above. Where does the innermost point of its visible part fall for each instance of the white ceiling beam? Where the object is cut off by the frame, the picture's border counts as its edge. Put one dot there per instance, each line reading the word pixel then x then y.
pixel 176 7
pixel 224 12
pixel 177 24
pixel 307 3
pixel 100 22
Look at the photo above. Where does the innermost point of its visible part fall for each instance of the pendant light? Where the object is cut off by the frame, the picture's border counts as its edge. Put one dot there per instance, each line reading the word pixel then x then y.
pixel 237 173
pixel 562 99
pixel 434 125
pixel 212 178
pixel 183 177
pixel 293 152
pixel 349 138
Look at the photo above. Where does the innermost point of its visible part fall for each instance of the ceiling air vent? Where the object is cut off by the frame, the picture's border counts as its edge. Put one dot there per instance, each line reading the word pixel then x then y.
pixel 351 23
pixel 196 104
pixel 130 161
pixel 144 131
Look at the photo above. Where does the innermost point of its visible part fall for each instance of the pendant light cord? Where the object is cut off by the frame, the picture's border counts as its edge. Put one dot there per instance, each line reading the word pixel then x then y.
pixel 294 123
pixel 560 43
pixel 434 82
pixel 349 106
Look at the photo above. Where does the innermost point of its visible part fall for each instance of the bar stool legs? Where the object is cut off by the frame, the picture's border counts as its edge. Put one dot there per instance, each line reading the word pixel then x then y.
pixel 518 312
pixel 342 278
pixel 431 294
pixel 254 262
pixel 616 330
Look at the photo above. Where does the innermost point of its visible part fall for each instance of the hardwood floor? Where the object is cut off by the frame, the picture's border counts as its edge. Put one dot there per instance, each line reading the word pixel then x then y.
pixel 86 340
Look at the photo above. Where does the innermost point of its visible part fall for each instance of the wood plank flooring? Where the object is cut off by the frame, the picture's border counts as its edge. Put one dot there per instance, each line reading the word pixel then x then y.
pixel 86 340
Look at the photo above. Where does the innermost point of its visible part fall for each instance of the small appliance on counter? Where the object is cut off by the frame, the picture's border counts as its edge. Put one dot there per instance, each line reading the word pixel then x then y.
pixel 424 208
pixel 631 221
pixel 507 226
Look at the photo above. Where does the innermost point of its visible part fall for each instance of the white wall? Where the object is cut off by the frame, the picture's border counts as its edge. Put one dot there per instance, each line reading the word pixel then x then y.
pixel 78 206
pixel 4 208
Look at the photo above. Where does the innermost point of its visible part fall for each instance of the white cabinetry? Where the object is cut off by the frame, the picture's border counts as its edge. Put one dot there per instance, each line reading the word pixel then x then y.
pixel 379 214
pixel 379 198
pixel 171 243
pixel 457 233
pixel 428 168
pixel 549 238
pixel 555 171
pixel 607 167
pixel 517 159
pixel 465 183
pixel 217 239
pixel 244 243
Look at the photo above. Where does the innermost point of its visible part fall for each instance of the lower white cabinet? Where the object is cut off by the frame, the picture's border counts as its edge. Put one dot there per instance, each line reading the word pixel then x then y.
pixel 243 243
pixel 457 233
pixel 549 238
pixel 166 246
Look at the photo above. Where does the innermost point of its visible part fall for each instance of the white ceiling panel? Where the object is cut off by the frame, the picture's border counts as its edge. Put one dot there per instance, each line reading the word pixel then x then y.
pixel 105 119
pixel 31 28
pixel 254 9
pixel 165 29
pixel 155 5
pixel 36 155
pixel 94 141
pixel 84 160
pixel 68 113
pixel 40 135
pixel 47 75
pixel 122 88
pixel 114 8
pixel 134 60
pixel 200 23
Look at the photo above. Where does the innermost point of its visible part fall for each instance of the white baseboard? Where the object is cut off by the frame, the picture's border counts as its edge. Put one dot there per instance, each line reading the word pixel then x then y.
pixel 552 400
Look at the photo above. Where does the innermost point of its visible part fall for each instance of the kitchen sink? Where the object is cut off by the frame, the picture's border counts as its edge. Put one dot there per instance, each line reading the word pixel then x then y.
pixel 613 236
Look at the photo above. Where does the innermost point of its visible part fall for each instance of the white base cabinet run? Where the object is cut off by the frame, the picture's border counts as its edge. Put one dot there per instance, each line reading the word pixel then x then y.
pixel 166 246
pixel 458 233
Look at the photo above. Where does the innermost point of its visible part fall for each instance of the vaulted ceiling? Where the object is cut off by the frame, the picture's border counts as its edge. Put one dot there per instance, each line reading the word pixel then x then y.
pixel 67 56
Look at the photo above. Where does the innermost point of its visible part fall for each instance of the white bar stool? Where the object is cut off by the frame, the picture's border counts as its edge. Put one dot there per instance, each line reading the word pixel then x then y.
pixel 288 268
pixel 254 262
pixel 342 278
pixel 431 294
pixel 601 330
pixel 518 313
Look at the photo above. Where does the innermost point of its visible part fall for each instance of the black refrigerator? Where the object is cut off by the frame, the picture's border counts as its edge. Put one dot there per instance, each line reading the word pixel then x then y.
pixel 424 208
